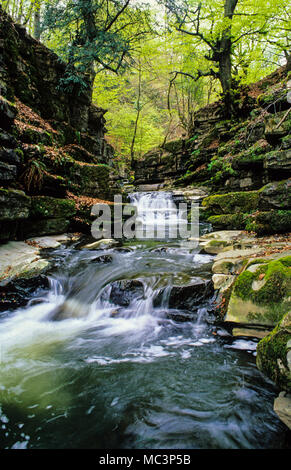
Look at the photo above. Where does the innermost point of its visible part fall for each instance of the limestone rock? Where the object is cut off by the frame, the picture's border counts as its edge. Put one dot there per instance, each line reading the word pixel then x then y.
pixel 14 205
pixel 282 407
pixel 103 244
pixel 18 259
pixel 261 293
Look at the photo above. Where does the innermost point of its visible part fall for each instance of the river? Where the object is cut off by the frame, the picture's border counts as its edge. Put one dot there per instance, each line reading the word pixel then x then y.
pixel 102 360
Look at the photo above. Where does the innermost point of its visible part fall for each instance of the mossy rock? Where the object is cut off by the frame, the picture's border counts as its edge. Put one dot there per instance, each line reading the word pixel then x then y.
pixel 261 294
pixel 264 223
pixel 14 205
pixel 276 195
pixel 49 207
pixel 35 228
pixel 254 156
pixel 92 180
pixel 228 221
pixel 278 160
pixel 36 136
pixel 272 354
pixel 276 126
pixel 232 203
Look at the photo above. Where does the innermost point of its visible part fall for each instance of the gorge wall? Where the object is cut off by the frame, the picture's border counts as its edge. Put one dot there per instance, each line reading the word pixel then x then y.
pixel 245 163
pixel 54 160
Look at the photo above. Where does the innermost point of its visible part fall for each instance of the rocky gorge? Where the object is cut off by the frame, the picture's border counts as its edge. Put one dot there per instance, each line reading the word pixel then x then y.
pixel 230 284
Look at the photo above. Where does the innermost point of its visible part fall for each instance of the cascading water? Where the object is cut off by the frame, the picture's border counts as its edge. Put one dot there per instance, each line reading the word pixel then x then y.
pixel 98 360
pixel 156 211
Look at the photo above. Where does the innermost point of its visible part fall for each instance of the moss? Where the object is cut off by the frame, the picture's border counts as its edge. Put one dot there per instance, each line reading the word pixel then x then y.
pixel 231 203
pixel 277 283
pixel 20 154
pixel 264 223
pixel 49 207
pixel 228 221
pixel 218 243
pixel 271 351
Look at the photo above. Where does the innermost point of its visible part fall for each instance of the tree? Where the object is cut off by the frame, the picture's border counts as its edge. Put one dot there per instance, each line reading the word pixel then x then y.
pixel 217 28
pixel 96 34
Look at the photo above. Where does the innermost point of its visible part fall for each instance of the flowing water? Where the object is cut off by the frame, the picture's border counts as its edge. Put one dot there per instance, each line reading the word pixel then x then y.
pixel 99 360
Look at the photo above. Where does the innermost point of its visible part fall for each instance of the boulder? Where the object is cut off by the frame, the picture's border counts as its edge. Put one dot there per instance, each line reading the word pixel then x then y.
pixel 261 293
pixel 273 354
pixel 231 203
pixel 36 228
pixel 20 260
pixel 124 292
pixel 187 297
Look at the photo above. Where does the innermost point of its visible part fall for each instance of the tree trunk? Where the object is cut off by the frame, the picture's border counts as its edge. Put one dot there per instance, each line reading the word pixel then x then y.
pixel 224 55
pixel 137 119
pixel 36 23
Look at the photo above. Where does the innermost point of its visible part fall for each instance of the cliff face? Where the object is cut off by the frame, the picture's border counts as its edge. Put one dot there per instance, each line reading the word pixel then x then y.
pixel 248 158
pixel 54 160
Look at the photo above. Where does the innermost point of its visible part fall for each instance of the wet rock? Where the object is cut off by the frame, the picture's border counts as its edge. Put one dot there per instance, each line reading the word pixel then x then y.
pixel 18 292
pixel 102 259
pixel 282 407
pixel 103 244
pixel 179 316
pixel 188 297
pixel 125 291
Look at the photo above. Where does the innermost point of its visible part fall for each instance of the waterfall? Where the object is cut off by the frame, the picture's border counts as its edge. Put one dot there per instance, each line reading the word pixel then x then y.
pixel 158 217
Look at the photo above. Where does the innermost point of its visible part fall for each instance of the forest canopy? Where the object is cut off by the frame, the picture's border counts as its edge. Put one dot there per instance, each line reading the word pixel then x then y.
pixel 153 63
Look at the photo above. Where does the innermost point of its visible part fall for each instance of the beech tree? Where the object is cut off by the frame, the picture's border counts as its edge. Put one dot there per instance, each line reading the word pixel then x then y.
pixel 217 27
pixel 95 34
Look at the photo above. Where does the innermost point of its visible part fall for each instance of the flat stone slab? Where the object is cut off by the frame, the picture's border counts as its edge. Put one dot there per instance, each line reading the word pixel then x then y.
pixel 18 259
pixel 250 332
pixel 23 259
pixel 53 241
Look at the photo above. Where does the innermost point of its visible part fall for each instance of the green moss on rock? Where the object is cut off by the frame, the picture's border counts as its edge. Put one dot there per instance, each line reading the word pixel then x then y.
pixel 49 207
pixel 232 203
pixel 276 282
pixel 272 354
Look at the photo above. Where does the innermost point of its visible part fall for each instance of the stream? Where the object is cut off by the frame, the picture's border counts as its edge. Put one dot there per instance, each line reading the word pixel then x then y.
pixel 122 352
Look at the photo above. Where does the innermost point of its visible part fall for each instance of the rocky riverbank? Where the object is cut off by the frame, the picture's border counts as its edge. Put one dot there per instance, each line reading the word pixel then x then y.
pixel 252 278
pixel 55 162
